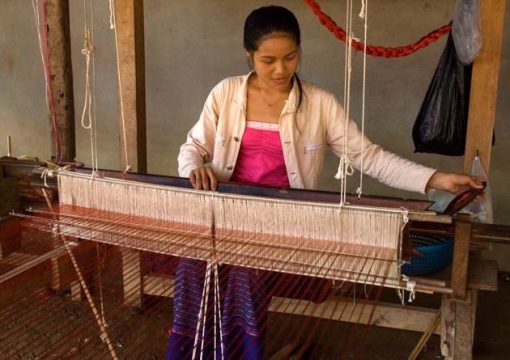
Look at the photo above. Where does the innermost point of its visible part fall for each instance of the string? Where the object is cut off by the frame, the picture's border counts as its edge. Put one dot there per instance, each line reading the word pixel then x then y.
pixel 112 18
pixel 364 15
pixel 88 117
pixel 100 323
pixel 95 164
pixel 343 168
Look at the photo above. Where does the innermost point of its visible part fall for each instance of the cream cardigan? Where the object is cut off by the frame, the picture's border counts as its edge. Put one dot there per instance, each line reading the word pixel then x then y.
pixel 216 137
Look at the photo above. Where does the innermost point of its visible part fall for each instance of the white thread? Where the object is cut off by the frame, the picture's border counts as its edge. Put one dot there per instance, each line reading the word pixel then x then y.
pixel 112 16
pixel 410 286
pixel 87 50
pixel 347 92
pixel 401 295
pixel 364 11
pixel 201 314
pixel 218 310
pixel 208 275
pixel 402 263
pixel 234 218
pixel 45 173
pixel 344 168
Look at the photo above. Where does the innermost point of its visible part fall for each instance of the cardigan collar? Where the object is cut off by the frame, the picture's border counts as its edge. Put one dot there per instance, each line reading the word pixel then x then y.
pixel 290 104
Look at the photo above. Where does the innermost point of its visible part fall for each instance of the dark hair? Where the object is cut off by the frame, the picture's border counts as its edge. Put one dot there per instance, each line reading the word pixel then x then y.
pixel 266 20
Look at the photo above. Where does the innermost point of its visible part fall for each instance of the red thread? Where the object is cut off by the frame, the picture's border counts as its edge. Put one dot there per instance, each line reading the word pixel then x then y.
pixel 388 52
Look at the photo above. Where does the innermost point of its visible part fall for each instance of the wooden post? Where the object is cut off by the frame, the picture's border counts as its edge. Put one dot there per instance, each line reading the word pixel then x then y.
pixel 461 256
pixel 130 54
pixel 457 327
pixel 132 124
pixel 60 78
pixel 484 86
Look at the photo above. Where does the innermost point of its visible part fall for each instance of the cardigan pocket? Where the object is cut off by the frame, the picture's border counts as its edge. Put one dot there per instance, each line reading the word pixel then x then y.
pixel 312 148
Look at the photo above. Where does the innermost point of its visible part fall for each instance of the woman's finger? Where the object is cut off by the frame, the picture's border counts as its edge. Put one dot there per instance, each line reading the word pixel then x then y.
pixel 212 179
pixel 195 179
pixel 204 178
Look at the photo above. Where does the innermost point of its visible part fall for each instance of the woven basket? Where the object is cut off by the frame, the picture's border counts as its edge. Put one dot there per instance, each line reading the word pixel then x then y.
pixel 437 253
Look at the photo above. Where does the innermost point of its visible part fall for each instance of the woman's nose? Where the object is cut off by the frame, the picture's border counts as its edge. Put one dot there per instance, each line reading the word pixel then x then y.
pixel 280 67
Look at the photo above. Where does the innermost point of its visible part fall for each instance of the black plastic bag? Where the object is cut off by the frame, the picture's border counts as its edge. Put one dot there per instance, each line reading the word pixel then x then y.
pixel 441 124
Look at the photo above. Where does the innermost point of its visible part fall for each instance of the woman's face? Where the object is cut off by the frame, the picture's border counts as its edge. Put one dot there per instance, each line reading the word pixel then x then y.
pixel 276 60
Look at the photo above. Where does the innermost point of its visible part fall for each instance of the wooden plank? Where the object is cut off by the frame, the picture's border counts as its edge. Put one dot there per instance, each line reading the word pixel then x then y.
pixel 131 67
pixel 387 315
pixel 158 285
pixel 31 264
pixel 484 86
pixel 56 21
pixel 460 256
pixel 457 327
pixel 18 258
pixel 491 233
pixel 132 278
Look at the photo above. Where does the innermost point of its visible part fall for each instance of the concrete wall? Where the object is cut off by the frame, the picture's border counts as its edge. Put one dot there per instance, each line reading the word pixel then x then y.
pixel 191 45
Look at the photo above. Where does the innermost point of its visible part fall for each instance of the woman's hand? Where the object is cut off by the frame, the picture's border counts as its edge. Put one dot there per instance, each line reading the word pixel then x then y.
pixel 453 182
pixel 203 178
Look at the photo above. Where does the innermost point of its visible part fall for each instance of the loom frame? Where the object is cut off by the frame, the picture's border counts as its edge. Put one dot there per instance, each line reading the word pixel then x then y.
pixel 459 295
pixel 480 128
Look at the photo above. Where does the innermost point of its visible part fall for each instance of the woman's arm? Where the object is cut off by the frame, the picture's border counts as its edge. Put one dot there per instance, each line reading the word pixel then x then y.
pixel 453 182
pixel 198 149
pixel 385 166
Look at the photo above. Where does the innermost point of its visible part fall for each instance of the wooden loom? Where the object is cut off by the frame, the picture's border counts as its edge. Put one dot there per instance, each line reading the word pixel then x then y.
pixel 463 230
pixel 84 226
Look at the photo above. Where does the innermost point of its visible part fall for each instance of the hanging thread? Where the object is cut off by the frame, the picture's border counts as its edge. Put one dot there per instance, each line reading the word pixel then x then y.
pixel 88 113
pixel 364 15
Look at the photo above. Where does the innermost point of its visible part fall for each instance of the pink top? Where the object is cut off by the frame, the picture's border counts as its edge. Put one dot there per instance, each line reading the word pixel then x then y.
pixel 260 160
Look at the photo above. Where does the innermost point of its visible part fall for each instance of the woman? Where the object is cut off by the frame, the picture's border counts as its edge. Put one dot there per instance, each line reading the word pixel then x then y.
pixel 271 128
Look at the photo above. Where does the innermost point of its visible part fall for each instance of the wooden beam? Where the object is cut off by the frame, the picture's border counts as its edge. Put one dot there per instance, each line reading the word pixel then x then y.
pixel 60 79
pixel 484 86
pixel 461 256
pixel 131 58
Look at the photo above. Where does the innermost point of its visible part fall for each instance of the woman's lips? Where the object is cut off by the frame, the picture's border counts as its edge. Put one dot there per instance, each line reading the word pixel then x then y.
pixel 280 80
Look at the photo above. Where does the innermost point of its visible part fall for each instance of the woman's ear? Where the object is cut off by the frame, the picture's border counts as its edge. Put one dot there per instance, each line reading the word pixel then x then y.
pixel 249 58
